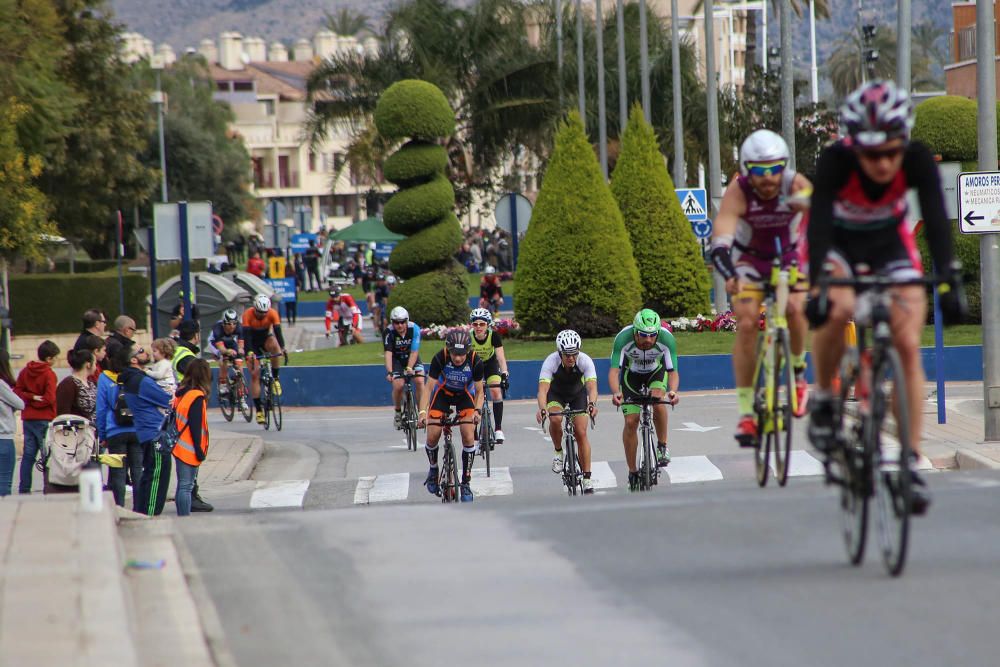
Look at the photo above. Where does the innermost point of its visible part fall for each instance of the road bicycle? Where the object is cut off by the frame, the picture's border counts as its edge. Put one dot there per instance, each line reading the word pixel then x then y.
pixel 572 475
pixel 774 398
pixel 408 416
pixel 487 432
pixel 861 463
pixel 345 331
pixel 270 402
pixel 450 482
pixel 237 396
pixel 649 473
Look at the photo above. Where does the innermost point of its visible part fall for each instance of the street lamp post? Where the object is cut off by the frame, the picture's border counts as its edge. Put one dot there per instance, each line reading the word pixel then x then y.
pixel 602 121
pixel 675 66
pixel 157 64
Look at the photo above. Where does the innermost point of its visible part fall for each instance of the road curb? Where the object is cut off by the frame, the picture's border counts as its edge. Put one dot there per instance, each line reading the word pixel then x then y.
pixel 969 459
pixel 249 460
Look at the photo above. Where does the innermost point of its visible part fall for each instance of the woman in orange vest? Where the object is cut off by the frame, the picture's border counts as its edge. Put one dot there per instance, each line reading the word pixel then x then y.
pixel 191 403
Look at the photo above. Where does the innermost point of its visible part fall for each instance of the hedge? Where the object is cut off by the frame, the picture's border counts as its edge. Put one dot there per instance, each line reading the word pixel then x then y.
pixel 966 248
pixel 415 161
pixel 575 268
pixel 52 303
pixel 674 278
pixel 413 108
pixel 88 266
pixel 431 245
pixel 437 297
pixel 411 209
pixel 947 126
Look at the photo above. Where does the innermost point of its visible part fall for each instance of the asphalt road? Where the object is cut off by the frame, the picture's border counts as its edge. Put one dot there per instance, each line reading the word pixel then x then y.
pixel 692 573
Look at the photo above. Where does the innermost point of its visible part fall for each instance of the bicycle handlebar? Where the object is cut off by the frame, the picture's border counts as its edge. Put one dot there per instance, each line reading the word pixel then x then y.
pixel 880 282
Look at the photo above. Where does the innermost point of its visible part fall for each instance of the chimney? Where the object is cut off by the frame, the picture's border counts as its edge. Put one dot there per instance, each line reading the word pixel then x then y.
pixel 256 49
pixel 277 53
pixel 166 52
pixel 208 51
pixel 325 44
pixel 231 51
pixel 303 50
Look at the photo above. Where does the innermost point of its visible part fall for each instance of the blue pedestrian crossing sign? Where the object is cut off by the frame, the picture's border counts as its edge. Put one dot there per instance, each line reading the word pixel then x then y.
pixel 694 203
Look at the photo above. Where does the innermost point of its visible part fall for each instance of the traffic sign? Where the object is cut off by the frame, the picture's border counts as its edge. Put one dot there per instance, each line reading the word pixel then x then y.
pixel 166 221
pixel 979 202
pixel 694 203
pixel 702 228
pixel 300 242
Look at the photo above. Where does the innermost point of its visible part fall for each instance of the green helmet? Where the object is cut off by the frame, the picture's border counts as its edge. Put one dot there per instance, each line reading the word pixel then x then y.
pixel 646 321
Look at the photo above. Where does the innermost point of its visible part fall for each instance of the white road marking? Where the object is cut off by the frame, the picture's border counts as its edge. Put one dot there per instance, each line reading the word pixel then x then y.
pixel 498 483
pixel 697 428
pixel 685 469
pixel 602 475
pixel 803 464
pixel 282 493
pixel 382 488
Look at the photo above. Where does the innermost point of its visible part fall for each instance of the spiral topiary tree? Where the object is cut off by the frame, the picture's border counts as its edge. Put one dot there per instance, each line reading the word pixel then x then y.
pixel 575 269
pixel 422 209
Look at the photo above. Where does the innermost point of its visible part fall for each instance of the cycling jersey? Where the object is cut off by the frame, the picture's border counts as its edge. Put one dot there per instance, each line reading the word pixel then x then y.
pixel 486 348
pixel 863 222
pixel 490 290
pixel 626 354
pixel 402 345
pixel 567 384
pixel 764 224
pixel 381 292
pixel 345 309
pixel 256 330
pixel 229 341
pixel 454 379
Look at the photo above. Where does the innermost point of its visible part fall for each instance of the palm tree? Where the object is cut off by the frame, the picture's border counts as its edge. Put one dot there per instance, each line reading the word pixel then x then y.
pixel 798 6
pixel 844 64
pixel 928 56
pixel 347 22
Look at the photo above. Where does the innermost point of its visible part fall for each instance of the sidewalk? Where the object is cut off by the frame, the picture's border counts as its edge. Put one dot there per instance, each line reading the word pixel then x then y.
pixel 67 596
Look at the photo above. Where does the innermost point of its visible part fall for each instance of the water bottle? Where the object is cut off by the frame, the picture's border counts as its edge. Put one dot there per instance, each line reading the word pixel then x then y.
pixel 91 486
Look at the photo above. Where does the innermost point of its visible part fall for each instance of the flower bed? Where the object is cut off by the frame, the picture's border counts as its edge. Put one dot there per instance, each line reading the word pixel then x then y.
pixel 506 327
pixel 721 322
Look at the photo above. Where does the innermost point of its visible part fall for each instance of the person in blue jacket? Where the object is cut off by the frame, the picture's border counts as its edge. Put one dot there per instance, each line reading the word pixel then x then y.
pixel 118 439
pixel 148 403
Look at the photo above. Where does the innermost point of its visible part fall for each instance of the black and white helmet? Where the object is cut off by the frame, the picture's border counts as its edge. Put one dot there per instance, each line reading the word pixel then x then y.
pixel 458 342
pixel 481 314
pixel 230 316
pixel 568 342
pixel 762 146
pixel 876 113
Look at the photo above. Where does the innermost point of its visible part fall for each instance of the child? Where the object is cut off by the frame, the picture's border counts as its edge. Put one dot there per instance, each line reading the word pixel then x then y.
pixel 36 386
pixel 162 369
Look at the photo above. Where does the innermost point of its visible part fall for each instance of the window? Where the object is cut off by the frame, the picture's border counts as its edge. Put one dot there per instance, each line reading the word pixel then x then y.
pixel 268 107
pixel 312 161
pixel 243 86
pixel 222 86
pixel 967 43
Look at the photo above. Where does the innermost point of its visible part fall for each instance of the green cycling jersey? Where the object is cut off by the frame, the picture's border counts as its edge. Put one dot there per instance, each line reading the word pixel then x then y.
pixel 625 354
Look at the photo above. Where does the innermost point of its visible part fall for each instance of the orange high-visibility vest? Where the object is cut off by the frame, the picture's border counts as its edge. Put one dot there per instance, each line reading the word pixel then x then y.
pixel 185 444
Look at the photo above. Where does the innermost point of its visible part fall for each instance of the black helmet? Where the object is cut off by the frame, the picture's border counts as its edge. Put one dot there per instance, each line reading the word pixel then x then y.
pixel 458 342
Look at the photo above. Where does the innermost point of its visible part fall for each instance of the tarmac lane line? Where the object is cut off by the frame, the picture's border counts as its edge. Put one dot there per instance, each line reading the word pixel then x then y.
pixel 602 475
pixel 688 469
pixel 281 493
pixel 382 488
pixel 499 483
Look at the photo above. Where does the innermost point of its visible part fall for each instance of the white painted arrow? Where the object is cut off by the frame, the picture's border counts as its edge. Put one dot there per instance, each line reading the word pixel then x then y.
pixel 697 428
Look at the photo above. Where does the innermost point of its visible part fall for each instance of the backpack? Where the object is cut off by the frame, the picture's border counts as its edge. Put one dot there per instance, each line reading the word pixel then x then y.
pixel 168 435
pixel 70 444
pixel 122 413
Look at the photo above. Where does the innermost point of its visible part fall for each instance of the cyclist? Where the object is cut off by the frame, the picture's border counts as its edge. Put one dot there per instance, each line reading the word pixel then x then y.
pixel 859 224
pixel 488 346
pixel 382 288
pixel 262 334
pixel 490 292
pixel 761 206
pixel 402 357
pixel 644 357
pixel 368 281
pixel 568 376
pixel 331 306
pixel 458 375
pixel 342 307
pixel 226 343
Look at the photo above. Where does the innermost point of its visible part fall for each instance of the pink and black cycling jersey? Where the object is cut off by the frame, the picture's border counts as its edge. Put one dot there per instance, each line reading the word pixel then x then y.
pixel 764 224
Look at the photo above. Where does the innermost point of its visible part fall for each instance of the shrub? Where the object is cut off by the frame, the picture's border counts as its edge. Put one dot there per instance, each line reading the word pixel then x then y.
pixel 439 296
pixel 416 161
pixel 51 303
pixel 576 267
pixel 947 126
pixel 411 209
pixel 433 245
pixel 966 248
pixel 413 108
pixel 673 274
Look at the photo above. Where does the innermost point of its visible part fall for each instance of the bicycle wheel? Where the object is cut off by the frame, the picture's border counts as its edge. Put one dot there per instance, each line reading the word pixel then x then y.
pixel 765 434
pixel 486 434
pixel 265 403
pixel 227 403
pixel 891 471
pixel 451 475
pixel 409 423
pixel 851 459
pixel 648 461
pixel 244 402
pixel 784 393
pixel 276 410
pixel 570 467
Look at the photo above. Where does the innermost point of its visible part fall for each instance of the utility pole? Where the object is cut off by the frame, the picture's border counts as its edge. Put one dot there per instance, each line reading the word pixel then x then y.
pixel 763 38
pixel 602 120
pixel 714 166
pixel 581 91
pixel 814 73
pixel 787 81
pixel 644 61
pixel 559 50
pixel 675 66
pixel 989 244
pixel 903 44
pixel 622 74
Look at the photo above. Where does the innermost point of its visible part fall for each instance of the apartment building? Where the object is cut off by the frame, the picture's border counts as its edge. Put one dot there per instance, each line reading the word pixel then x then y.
pixel 960 74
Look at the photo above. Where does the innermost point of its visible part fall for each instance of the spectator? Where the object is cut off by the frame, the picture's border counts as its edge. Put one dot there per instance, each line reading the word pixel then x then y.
pixel 188 351
pixel 145 399
pixel 299 269
pixel 95 323
pixel 118 438
pixel 292 304
pixel 9 402
pixel 477 254
pixel 192 422
pixel 177 312
pixel 124 331
pixel 312 282
pixel 96 346
pixel 239 248
pixel 162 370
pixel 76 394
pixel 36 386
pixel 255 265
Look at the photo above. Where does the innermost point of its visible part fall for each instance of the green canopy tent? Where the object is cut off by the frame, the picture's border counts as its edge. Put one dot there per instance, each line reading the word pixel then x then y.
pixel 366 231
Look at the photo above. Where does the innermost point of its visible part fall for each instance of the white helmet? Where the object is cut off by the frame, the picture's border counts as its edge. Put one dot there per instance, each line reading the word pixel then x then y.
pixel 481 314
pixel 568 342
pixel 490 271
pixel 399 314
pixel 762 146
pixel 391 280
pixel 261 303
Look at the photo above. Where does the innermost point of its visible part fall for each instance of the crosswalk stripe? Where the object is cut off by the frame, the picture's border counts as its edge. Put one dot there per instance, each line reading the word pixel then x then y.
pixel 382 488
pixel 686 469
pixel 284 493
pixel 602 475
pixel 498 483
pixel 803 464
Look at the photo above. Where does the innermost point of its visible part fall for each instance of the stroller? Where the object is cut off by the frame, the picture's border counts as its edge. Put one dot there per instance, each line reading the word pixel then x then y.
pixel 70 445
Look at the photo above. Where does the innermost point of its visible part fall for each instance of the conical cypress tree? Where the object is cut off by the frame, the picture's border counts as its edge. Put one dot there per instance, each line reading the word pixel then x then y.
pixel 674 278
pixel 575 268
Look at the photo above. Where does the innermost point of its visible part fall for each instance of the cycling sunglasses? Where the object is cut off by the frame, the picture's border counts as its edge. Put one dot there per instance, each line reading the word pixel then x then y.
pixel 400 321
pixel 874 155
pixel 643 334
pixel 766 168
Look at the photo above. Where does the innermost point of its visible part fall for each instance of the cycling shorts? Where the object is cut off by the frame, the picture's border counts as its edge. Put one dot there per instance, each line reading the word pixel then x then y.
pixel 255 342
pixel 889 252
pixel 633 385
pixel 754 270
pixel 491 371
pixel 443 400
pixel 399 365
pixel 557 399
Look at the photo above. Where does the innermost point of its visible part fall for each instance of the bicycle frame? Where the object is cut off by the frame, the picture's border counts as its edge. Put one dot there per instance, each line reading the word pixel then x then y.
pixel 776 293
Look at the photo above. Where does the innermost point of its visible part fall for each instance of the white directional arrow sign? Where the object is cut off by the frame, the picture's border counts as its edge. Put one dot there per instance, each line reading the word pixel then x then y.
pixel 697 428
